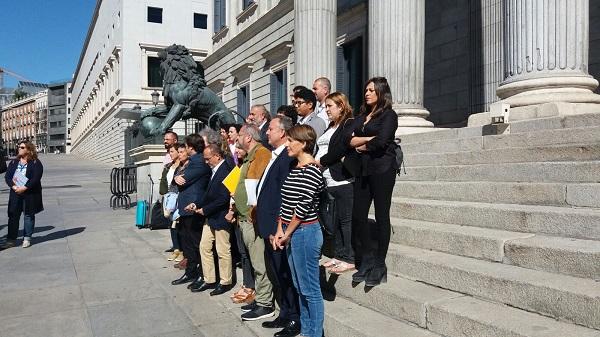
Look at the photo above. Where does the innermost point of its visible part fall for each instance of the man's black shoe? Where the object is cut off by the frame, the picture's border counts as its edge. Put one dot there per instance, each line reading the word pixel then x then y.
pixel 182 280
pixel 259 312
pixel 203 287
pixel 277 323
pixel 196 284
pixel 248 307
pixel 221 289
pixel 170 250
pixel 291 329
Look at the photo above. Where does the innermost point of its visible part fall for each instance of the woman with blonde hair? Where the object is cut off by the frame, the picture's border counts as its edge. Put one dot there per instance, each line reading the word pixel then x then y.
pixel 333 146
pixel 24 177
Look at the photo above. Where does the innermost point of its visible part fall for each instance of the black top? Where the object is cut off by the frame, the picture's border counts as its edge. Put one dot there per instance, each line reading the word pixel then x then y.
pixel 300 194
pixel 380 156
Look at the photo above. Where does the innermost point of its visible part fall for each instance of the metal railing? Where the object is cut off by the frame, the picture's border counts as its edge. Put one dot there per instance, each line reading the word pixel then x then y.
pixel 123 181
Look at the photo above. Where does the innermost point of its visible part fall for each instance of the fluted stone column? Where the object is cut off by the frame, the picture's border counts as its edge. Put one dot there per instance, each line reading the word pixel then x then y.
pixel 396 51
pixel 546 57
pixel 315 29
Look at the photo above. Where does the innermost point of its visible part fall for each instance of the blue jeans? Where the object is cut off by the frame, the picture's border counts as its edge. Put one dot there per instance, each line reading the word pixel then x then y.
pixel 303 257
pixel 13 225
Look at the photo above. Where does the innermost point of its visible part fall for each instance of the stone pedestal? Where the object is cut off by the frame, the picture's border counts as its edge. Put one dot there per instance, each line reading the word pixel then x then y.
pixel 396 51
pixel 149 161
pixel 315 30
pixel 546 59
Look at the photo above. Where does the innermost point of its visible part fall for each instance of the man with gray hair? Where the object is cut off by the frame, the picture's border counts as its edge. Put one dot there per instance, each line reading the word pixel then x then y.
pixel 267 210
pixel 322 88
pixel 254 165
pixel 259 116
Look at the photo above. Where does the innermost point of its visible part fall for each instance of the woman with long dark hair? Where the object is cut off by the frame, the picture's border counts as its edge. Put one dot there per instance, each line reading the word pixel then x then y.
pixel 373 140
pixel 333 146
pixel 24 177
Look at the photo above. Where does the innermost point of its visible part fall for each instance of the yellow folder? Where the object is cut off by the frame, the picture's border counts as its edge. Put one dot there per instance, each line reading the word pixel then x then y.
pixel 232 179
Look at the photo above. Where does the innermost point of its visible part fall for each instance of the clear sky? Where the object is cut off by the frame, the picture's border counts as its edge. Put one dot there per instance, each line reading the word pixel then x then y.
pixel 41 39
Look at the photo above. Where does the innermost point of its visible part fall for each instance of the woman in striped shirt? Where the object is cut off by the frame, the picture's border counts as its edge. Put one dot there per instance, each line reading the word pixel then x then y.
pixel 299 227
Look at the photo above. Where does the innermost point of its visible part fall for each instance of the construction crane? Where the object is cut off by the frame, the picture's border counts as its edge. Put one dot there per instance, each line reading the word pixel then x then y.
pixel 11 73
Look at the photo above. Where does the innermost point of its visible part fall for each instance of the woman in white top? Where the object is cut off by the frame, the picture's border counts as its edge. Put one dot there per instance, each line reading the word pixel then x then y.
pixel 333 146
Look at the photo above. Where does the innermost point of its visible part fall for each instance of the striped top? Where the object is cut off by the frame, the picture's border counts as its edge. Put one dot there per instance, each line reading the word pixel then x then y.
pixel 300 194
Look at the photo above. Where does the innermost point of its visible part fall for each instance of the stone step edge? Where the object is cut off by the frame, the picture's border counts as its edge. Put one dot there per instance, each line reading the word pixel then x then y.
pixel 562 162
pixel 401 306
pixel 501 283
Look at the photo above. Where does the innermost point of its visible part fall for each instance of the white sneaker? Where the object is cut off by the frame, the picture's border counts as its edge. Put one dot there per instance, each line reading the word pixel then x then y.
pixel 26 243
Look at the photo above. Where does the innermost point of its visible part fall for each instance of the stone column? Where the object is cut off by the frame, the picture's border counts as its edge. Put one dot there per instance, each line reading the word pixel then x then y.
pixel 396 51
pixel 315 30
pixel 546 58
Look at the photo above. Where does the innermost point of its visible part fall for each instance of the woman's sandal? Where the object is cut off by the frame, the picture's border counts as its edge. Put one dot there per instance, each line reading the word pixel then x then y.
pixel 340 268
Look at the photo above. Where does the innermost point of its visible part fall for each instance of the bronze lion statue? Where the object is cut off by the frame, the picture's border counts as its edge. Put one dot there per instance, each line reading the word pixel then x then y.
pixel 185 95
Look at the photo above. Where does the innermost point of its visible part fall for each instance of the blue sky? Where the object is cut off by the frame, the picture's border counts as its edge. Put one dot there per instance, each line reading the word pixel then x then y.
pixel 41 39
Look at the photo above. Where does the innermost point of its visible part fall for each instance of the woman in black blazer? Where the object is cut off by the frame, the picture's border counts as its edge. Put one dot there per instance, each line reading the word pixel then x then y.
pixel 24 177
pixel 334 145
pixel 373 140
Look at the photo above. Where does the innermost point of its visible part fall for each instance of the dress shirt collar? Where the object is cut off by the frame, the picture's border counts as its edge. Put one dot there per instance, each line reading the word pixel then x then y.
pixel 214 169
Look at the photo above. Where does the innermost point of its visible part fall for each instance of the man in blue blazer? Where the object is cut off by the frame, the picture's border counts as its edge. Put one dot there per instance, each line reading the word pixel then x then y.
pixel 214 206
pixel 267 212
pixel 192 186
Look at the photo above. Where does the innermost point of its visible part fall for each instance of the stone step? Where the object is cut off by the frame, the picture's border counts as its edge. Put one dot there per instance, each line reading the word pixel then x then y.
pixel 559 221
pixel 480 243
pixel 556 255
pixel 575 172
pixel 344 318
pixel 449 313
pixel 493 192
pixel 564 297
pixel 579 135
pixel 524 126
pixel 553 254
pixel 570 152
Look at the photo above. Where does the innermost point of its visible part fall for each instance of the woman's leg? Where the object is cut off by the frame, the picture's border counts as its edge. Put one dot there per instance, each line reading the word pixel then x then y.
pixel 344 199
pixel 382 186
pixel 13 225
pixel 361 235
pixel 28 226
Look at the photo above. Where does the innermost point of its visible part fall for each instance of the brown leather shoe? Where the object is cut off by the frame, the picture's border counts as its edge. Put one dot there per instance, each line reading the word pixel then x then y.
pixel 181 265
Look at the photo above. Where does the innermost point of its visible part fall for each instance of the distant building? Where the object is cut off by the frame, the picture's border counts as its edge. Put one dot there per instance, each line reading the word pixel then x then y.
pixel 19 121
pixel 41 112
pixel 119 68
pixel 58 111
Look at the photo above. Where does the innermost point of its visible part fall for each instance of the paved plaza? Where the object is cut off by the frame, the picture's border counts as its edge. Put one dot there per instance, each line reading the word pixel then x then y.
pixel 90 272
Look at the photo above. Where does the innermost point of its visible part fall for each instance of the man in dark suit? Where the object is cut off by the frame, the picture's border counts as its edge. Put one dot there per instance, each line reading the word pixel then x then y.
pixel 259 116
pixel 217 230
pixel 268 205
pixel 192 186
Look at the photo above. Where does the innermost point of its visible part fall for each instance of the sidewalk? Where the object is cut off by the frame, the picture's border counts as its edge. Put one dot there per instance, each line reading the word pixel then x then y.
pixel 90 272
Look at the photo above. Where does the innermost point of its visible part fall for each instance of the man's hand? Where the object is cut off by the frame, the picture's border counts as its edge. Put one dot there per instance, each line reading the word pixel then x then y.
pixel 190 208
pixel 230 216
pixel 200 211
pixel 179 180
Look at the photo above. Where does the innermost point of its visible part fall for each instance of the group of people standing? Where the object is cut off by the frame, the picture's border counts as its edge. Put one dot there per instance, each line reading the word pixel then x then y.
pixel 270 220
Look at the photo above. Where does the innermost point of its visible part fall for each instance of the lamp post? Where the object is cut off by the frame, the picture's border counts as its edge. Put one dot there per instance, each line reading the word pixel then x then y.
pixel 155 95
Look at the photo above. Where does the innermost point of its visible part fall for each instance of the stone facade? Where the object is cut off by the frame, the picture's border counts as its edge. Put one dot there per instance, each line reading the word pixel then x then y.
pixel 20 121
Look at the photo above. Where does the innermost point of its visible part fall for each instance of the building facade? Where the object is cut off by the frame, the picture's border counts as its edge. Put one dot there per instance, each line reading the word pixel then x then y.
pixel 119 68
pixel 57 118
pixel 444 60
pixel 41 132
pixel 20 121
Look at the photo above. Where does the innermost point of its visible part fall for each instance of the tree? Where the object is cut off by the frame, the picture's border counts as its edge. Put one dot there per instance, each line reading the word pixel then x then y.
pixel 18 94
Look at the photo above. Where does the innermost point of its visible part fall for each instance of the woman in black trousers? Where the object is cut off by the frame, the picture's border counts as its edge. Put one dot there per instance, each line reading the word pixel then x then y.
pixel 373 140
pixel 24 177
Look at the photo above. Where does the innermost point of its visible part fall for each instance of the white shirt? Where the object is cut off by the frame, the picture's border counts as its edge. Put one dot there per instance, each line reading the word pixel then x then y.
pixel 214 169
pixel 323 145
pixel 167 159
pixel 274 154
pixel 322 112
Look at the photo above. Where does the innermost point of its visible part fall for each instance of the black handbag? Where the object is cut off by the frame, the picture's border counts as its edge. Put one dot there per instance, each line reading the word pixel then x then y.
pixel 157 217
pixel 3 167
pixel 399 156
pixel 326 212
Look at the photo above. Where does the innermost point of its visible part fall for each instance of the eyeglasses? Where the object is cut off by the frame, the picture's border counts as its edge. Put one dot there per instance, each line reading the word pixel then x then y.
pixel 208 158
pixel 298 103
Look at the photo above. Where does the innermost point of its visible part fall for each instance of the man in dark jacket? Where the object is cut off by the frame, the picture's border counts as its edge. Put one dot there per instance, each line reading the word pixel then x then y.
pixel 213 207
pixel 192 186
pixel 269 203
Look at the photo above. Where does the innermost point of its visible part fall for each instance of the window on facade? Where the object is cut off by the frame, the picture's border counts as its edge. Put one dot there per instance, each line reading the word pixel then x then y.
pixel 243 101
pixel 349 73
pixel 247 3
pixel 154 76
pixel 220 16
pixel 57 137
pixel 200 21
pixel 278 89
pixel 155 14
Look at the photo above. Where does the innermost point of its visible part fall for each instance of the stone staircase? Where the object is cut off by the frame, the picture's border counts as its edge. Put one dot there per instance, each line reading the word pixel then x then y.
pixel 492 236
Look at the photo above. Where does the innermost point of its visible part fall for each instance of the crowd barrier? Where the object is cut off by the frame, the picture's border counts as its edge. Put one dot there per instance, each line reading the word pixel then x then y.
pixel 123 181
